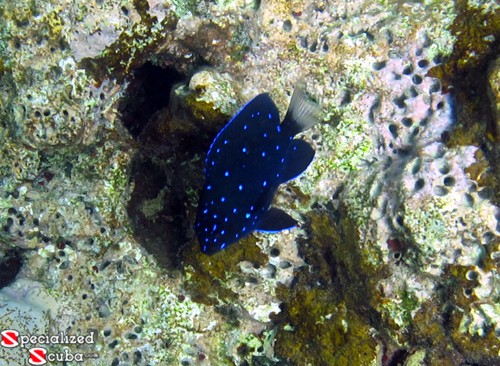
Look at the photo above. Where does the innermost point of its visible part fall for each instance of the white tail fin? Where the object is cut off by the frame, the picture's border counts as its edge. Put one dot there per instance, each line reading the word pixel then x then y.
pixel 302 113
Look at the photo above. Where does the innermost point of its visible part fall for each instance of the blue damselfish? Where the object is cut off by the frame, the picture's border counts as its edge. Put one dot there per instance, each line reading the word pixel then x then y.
pixel 247 161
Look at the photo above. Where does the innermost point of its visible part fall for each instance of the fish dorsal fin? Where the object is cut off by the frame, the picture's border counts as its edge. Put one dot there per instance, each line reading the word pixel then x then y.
pixel 302 113
pixel 297 159
pixel 275 220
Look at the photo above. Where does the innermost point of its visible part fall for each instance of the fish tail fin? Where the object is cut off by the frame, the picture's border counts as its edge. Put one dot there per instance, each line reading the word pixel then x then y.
pixel 302 112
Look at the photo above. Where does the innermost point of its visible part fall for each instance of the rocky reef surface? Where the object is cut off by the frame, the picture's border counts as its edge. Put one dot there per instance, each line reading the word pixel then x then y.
pixel 107 109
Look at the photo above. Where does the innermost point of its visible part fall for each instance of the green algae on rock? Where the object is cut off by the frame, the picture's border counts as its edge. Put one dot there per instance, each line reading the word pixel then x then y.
pixel 326 316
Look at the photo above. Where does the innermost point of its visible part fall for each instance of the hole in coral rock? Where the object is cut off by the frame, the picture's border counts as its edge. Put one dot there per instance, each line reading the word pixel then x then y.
pixel 10 265
pixel 148 92
pixel 419 184
pixel 167 170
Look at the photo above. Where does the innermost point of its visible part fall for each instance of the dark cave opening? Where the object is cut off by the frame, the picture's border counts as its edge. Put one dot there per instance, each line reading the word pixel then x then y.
pixel 10 265
pixel 166 170
pixel 148 92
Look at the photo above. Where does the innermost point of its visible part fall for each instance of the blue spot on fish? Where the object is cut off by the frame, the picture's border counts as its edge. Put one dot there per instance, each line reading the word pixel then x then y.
pixel 243 184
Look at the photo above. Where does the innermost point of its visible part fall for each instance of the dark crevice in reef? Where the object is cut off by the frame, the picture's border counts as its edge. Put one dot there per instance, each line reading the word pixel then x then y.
pixel 10 265
pixel 164 170
pixel 147 93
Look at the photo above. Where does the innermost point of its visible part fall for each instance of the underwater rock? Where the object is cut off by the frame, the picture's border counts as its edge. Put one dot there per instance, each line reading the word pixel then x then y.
pixel 396 164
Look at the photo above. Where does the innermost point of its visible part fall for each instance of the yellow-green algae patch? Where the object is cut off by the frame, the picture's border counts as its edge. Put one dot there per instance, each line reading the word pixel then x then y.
pixel 133 47
pixel 327 317
pixel 207 275
pixel 477 32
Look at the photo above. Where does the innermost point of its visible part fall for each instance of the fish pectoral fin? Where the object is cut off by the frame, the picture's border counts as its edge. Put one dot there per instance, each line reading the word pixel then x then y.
pixel 275 220
pixel 297 159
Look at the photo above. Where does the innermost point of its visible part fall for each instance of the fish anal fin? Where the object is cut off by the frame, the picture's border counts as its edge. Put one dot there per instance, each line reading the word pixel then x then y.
pixel 275 220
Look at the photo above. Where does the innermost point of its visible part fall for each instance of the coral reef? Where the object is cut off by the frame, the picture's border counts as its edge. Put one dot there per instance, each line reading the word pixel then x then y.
pixel 107 109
